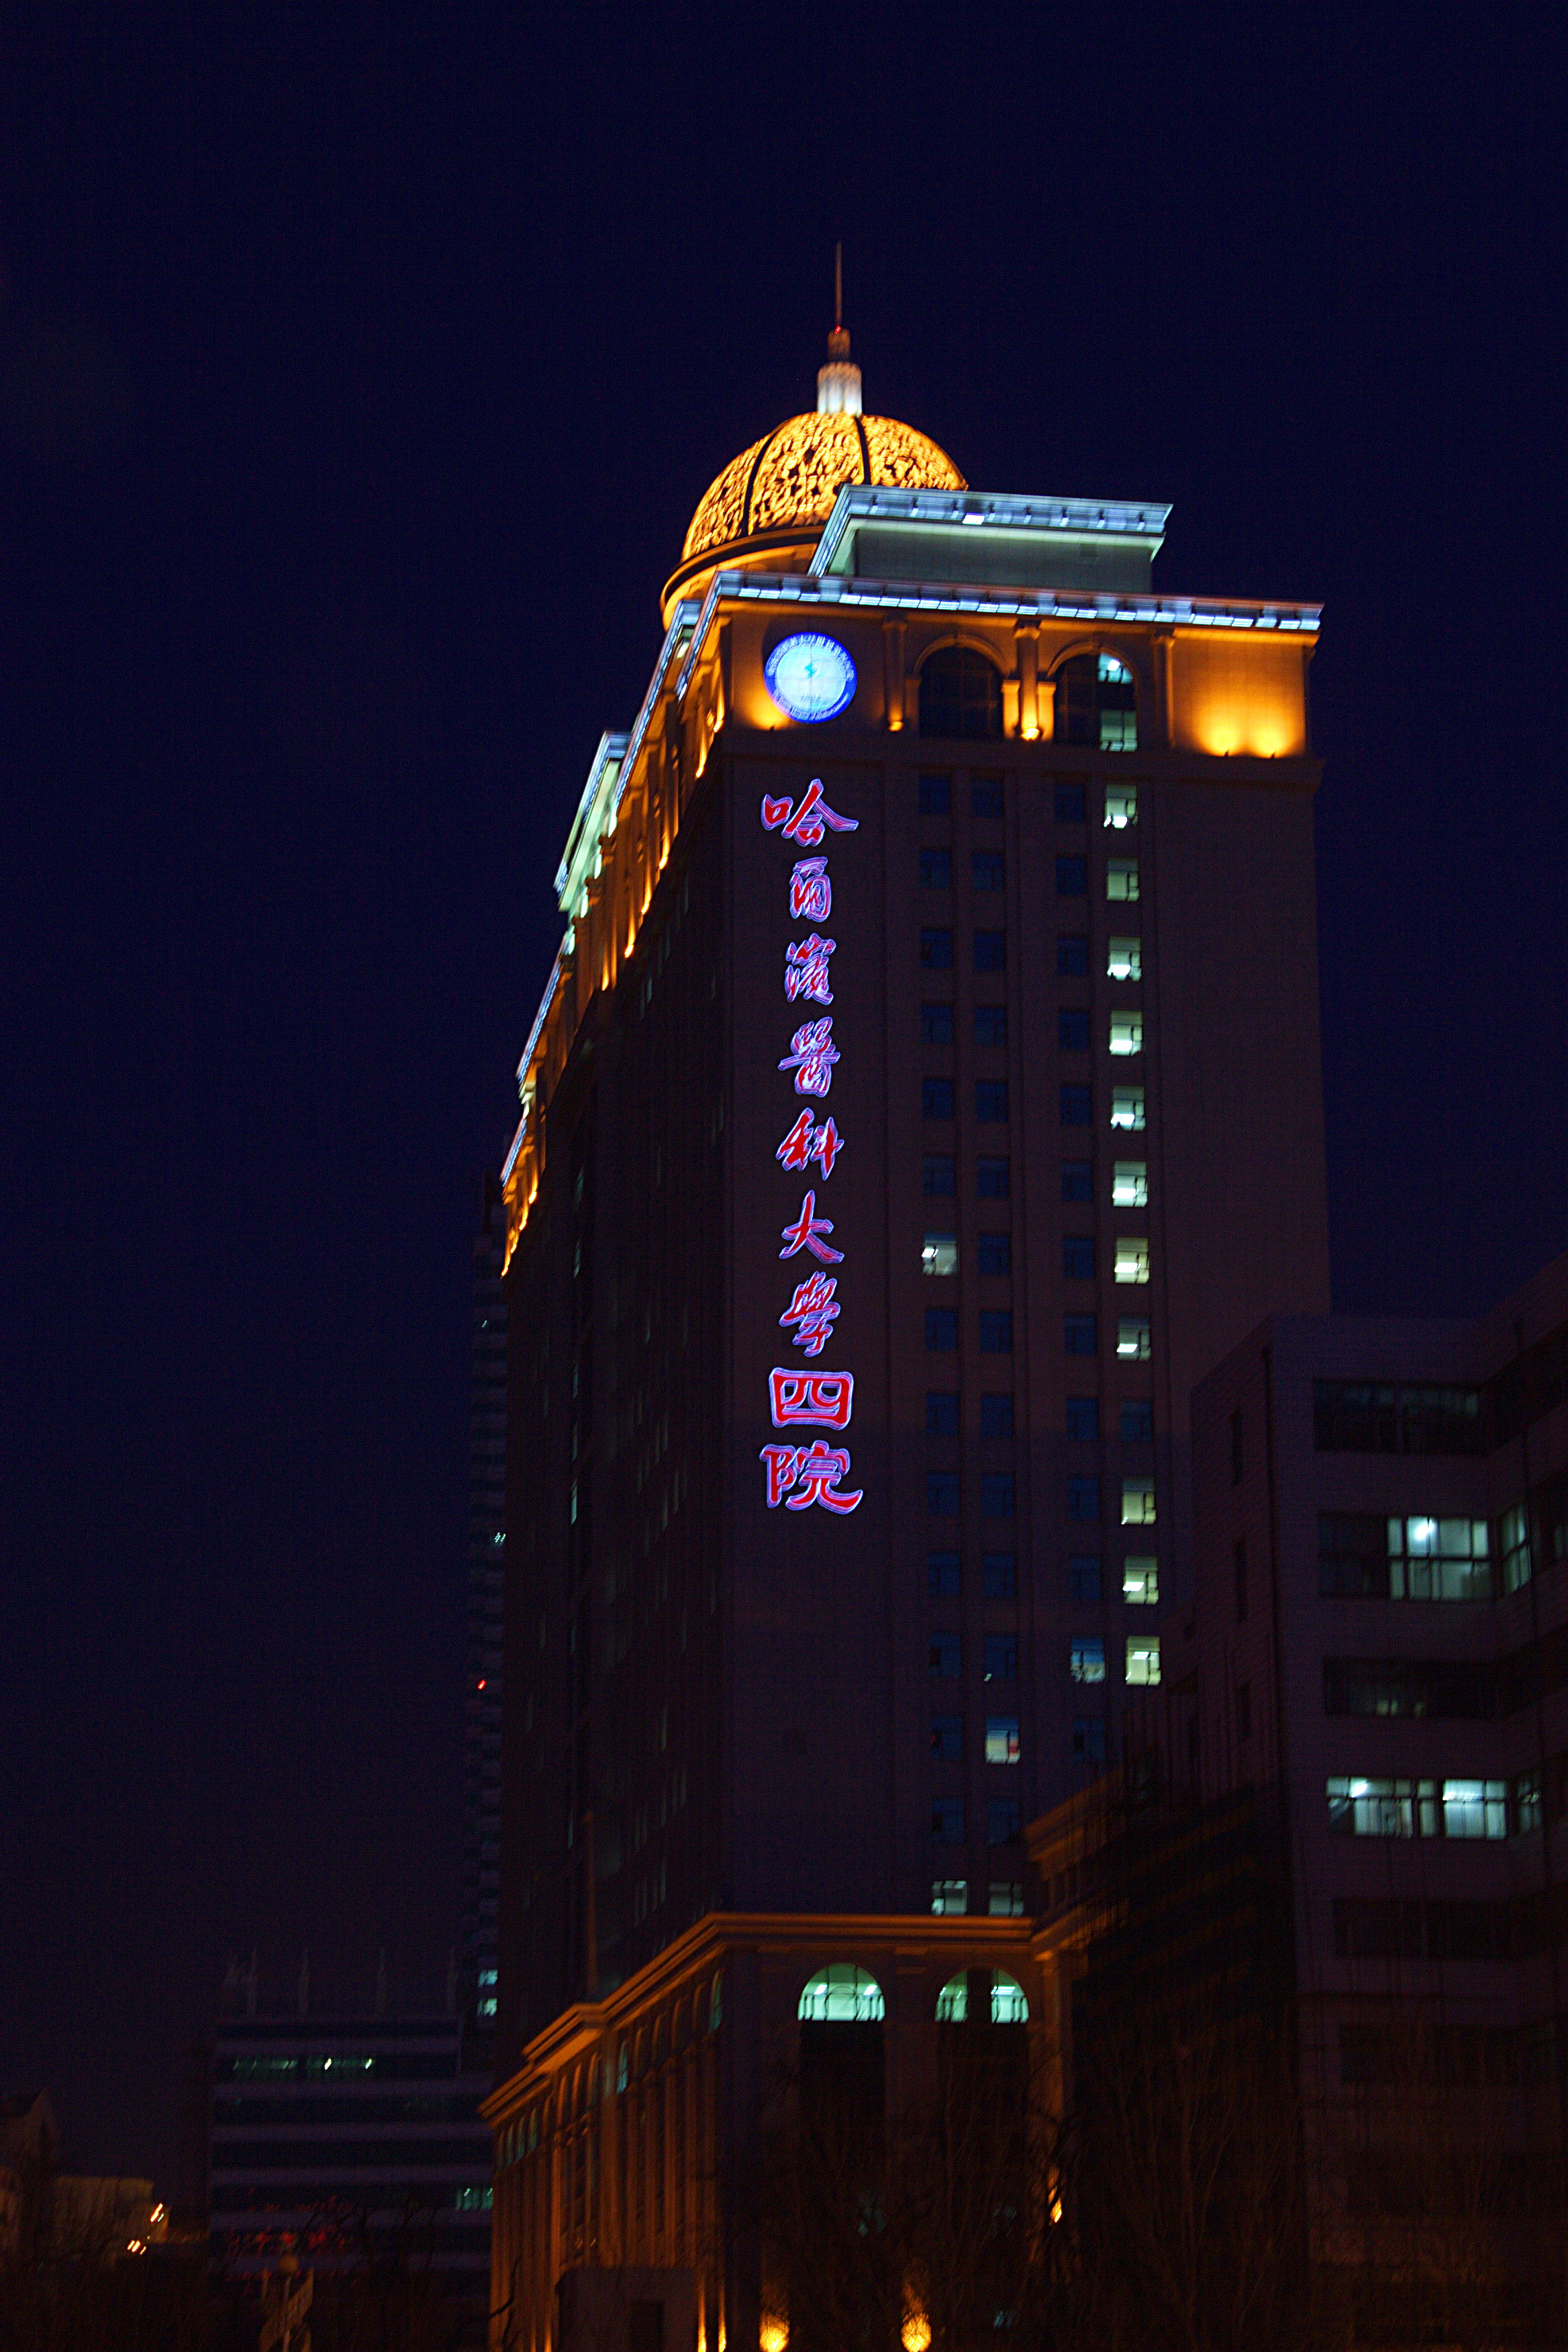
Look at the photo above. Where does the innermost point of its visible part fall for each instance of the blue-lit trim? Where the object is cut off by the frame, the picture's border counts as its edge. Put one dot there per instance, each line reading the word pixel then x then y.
pixel 1009 510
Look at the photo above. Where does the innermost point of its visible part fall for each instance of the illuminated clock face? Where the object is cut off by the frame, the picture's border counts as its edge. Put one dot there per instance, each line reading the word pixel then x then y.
pixel 809 676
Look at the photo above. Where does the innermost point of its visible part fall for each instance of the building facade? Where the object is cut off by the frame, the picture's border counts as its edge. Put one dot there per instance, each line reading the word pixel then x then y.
pixel 924 1099
pixel 486 1591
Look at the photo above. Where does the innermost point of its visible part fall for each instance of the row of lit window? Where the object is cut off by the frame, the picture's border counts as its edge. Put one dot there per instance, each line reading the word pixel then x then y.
pixel 992 1181
pixel 999 1576
pixel 1086 1657
pixel 1135 1417
pixel 1001 1745
pixel 1429 1808
pixel 950 1897
pixel 988 873
pixel 1083 1496
pixel 1081 1333
pixel 1362 1556
pixel 1076 1104
pixel 1120 808
pixel 1140 1661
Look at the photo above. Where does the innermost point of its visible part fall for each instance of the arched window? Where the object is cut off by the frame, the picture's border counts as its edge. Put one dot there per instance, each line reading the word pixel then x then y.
pixel 1007 2001
pixel 716 2006
pixel 1097 703
pixel 961 696
pixel 623 2068
pixel 842 1994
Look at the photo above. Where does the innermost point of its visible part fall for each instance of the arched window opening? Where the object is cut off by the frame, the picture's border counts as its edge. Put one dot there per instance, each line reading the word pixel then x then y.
pixel 623 2068
pixel 716 2006
pixel 961 696
pixel 842 1994
pixel 1097 703
pixel 1003 1996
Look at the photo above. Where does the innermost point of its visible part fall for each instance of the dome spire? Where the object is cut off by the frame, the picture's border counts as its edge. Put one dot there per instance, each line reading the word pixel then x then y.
pixel 839 384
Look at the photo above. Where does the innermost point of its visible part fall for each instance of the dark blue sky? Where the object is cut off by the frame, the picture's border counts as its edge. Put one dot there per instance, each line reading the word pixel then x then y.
pixel 359 370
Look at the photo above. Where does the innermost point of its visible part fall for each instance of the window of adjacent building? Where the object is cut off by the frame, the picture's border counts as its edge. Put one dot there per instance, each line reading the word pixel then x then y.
pixel 1124 959
pixel 1080 1335
pixel 1131 1262
pixel 996 1415
pixel 949 1896
pixel 1137 1421
pixel 947 1738
pixel 1236 1447
pixel 1121 879
pixel 1072 877
pixel 991 1183
pixel 941 1328
pixel 1006 1902
pixel 941 1413
pixel 1352 1556
pixel 985 796
pixel 1077 1179
pixel 1072 957
pixel 990 1025
pixel 1083 1576
pixel 1121 806
pixel 941 1494
pixel 990 950
pixel 1001 1740
pixel 936 948
pixel 1083 1498
pixel 1130 1184
pixel 960 695
pixel 1127 1107
pixel 1086 1658
pixel 1513 1530
pixel 1072 1030
pixel 936 795
pixel 1126 1032
pixel 936 869
pixel 1389 1808
pixel 1089 1740
pixel 1069 805
pixel 1097 703
pixel 999 1658
pixel 1083 1420
pixel 1143 1659
pixel 944 1575
pixel 995 1330
pixel 1238 1563
pixel 996 1497
pixel 995 1251
pixel 1077 1257
pixel 991 1101
pixel 937 1176
pixel 986 870
pixel 936 1025
pixel 1132 1337
pixel 1137 1502
pixel 939 1254
pixel 839 1994
pixel 1077 1104
pixel 1140 1582
pixel 1439 1559
pixel 947 1657
pixel 1244 1710
pixel 999 1575
pixel 936 1097
pixel 1377 1417
pixel 947 1821
pixel 1002 1820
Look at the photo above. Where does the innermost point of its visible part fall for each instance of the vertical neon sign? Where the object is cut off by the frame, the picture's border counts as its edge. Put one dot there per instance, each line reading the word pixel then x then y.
pixel 799 1476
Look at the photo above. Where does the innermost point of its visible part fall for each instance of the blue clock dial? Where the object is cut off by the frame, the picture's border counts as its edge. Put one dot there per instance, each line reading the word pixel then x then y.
pixel 810 677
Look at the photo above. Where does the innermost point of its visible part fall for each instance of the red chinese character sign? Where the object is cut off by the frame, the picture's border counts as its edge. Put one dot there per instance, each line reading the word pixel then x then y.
pixel 803 1477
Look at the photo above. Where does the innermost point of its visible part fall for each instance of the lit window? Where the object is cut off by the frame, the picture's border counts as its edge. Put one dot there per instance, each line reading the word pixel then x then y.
pixel 936 869
pixel 937 1176
pixel 1077 1179
pixel 1143 1659
pixel 941 1328
pixel 995 1330
pixel 936 950
pixel 1083 1419
pixel 939 1254
pixel 1131 1258
pixel 947 1821
pixel 1475 1809
pixel 1137 1502
pixel 1439 1559
pixel 942 1575
pixel 1072 1030
pixel 995 1254
pixel 1083 1577
pixel 1085 1659
pixel 991 1180
pixel 1121 879
pixel 1096 703
pixel 1000 1657
pixel 990 1024
pixel 1077 1257
pixel 1514 1530
pixel 947 1738
pixel 1083 1498
pixel 1006 1903
pixel 947 1657
pixel 487 2008
pixel 936 1097
pixel 936 1025
pixel 987 869
pixel 949 1896
pixel 842 1994
pixel 1127 1107
pixel 1124 959
pixel 941 1413
pixel 1079 1332
pixel 1001 1740
pixel 1361 1807
pixel 1130 1184
pixel 1141 1582
pixel 1137 1421
pixel 1127 1032
pixel 1120 803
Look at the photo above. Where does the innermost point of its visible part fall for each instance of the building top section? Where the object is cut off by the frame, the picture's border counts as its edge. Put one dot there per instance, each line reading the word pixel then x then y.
pixel 991 538
pixel 579 860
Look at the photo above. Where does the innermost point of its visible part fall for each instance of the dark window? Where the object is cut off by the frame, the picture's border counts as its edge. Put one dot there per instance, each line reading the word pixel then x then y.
pixel 1444 1689
pixel 946 1656
pixel 1072 877
pixel 1072 1030
pixel 990 1101
pixel 1244 1710
pixel 999 1658
pixel 947 1738
pixel 1236 1447
pixel 1238 1560
pixel 1082 1335
pixel 1083 1577
pixel 1083 1498
pixel 941 1494
pixel 938 1175
pixel 1096 704
pixel 1072 957
pixel 995 1253
pixel 1077 1107
pixel 995 1330
pixel 1376 1417
pixel 1077 1257
pixel 941 1413
pixel 987 872
pixel 1089 1740
pixel 996 1495
pixel 1083 1419
pixel 947 1820
pixel 985 796
pixel 941 1328
pixel 1352 1556
pixel 990 950
pixel 1077 1181
pixel 936 869
pixel 936 1097
pixel 991 1180
pixel 936 950
pixel 942 1575
pixel 1137 1422
pixel 999 1575
pixel 961 696
pixel 1001 1820
pixel 1069 803
pixel 936 795
pixel 936 1025
pixel 990 1024
pixel 996 1416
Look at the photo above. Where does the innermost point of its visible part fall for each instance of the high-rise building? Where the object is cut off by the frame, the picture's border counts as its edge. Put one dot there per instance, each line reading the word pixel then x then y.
pixel 487 1580
pixel 925 1096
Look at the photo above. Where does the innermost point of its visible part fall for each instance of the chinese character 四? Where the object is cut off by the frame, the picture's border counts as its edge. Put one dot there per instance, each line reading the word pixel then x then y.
pixel 818 1400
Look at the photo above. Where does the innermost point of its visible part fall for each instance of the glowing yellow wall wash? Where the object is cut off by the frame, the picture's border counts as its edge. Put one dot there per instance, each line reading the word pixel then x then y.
pixel 1239 695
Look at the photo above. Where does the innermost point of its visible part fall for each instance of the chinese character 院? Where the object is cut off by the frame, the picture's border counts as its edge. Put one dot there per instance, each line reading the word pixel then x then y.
pixel 811 1056
pixel 807 1142
pixel 813 1310
pixel 808 1475
pixel 810 891
pixel 815 1400
pixel 807 1233
pixel 807 824
pixel 805 969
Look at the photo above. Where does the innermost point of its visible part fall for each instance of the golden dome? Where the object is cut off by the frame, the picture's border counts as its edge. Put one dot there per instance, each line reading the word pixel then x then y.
pixel 786 483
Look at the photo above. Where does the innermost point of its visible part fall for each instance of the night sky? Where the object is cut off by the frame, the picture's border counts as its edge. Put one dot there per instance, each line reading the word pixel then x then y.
pixel 360 367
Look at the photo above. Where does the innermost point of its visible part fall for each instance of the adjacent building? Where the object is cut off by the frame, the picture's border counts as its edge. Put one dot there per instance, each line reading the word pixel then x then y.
pixel 487 1582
